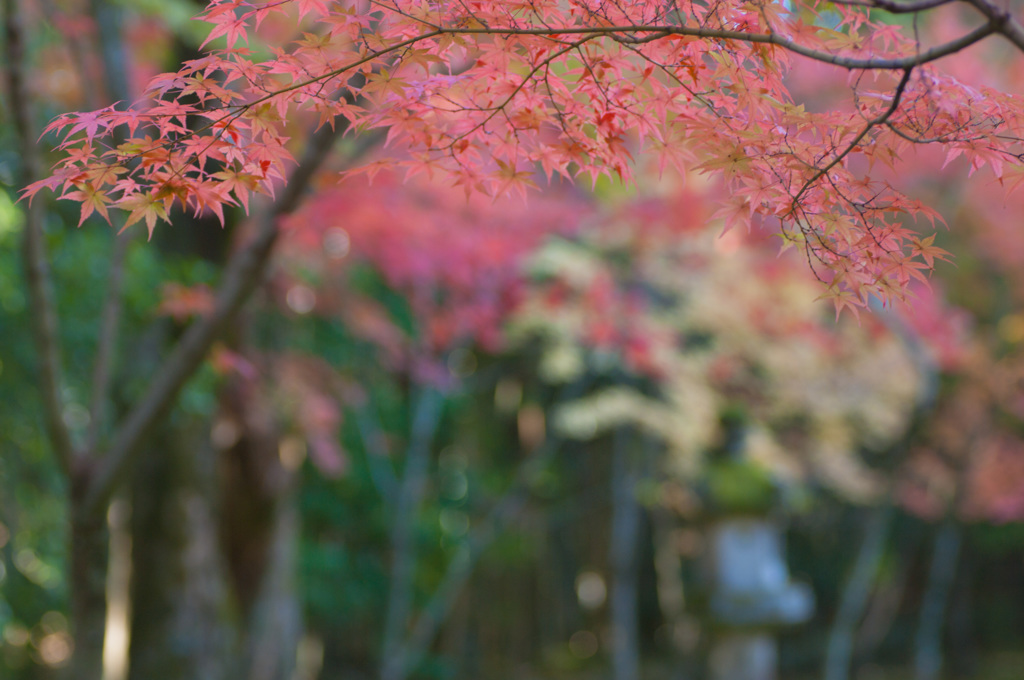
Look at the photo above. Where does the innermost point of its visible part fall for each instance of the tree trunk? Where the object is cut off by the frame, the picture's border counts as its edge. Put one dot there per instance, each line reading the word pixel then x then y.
pixel 179 623
pixel 963 657
pixel 624 561
pixel 273 628
pixel 839 652
pixel 87 586
pixel 681 635
pixel 425 418
pixel 884 607
pixel 928 641
pixel 259 534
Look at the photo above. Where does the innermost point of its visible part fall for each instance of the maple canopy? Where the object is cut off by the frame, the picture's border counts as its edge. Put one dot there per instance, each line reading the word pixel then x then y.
pixel 488 93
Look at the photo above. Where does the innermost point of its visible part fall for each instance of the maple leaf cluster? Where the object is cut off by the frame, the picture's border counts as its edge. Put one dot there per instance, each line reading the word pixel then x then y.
pixel 487 93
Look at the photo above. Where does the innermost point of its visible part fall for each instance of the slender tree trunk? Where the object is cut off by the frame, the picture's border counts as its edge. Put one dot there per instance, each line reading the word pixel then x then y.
pixel 426 414
pixel 259 533
pixel 963 658
pixel 885 603
pixel 179 624
pixel 273 628
pixel 559 561
pixel 668 568
pixel 928 641
pixel 839 653
pixel 119 571
pixel 87 586
pixel 624 560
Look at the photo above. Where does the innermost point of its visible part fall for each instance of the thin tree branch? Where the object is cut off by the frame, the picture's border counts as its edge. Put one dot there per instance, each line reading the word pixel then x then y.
pixel 881 119
pixel 43 311
pixel 106 343
pixel 108 22
pixel 631 35
pixel 999 18
pixel 242 276
pixel 643 34
pixel 1002 21
pixel 896 7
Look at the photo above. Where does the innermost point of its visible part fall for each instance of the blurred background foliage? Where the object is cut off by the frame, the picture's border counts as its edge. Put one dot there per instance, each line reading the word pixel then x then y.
pixel 474 410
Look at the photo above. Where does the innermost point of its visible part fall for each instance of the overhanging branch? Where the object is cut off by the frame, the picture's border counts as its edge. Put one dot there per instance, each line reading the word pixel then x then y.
pixel 242 276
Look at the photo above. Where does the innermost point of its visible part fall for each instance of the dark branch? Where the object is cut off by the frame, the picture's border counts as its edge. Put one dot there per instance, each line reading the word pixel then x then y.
pixel 881 119
pixel 244 271
pixel 896 7
pixel 638 35
pixel 1004 23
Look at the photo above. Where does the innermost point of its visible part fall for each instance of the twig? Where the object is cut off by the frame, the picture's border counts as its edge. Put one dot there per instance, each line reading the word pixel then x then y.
pixel 881 119
pixel 999 23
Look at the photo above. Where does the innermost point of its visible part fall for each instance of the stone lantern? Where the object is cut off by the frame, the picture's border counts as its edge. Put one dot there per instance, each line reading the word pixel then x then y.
pixel 751 597
pixel 750 594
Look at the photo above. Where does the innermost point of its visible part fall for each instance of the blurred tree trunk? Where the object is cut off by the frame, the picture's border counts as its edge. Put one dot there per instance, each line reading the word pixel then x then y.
pixel 856 591
pixel 885 604
pixel 87 539
pixel 181 627
pixel 215 545
pixel 259 534
pixel 668 568
pixel 963 658
pixel 624 559
pixel 273 628
pixel 941 573
pixel 426 415
pixel 559 564
pixel 87 582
